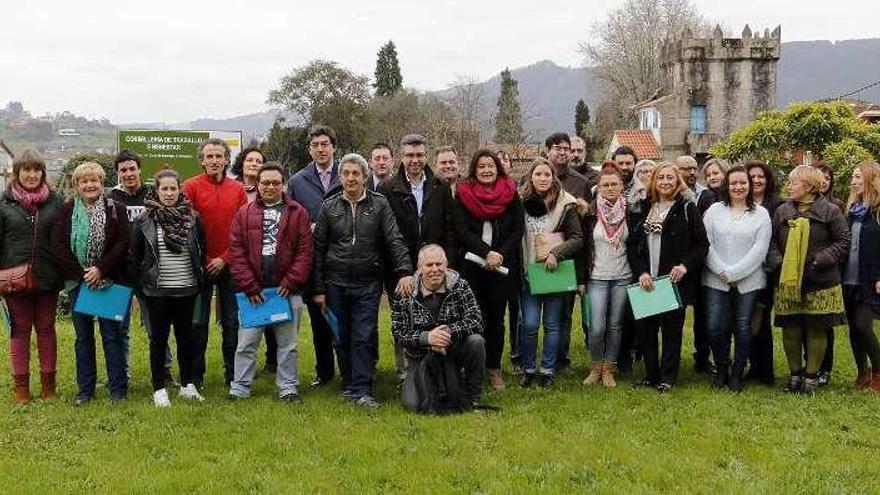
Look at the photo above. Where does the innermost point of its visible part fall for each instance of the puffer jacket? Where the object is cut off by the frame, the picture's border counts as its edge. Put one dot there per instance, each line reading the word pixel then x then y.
pixel 350 242
pixel 143 254
pixel 16 239
pixel 828 246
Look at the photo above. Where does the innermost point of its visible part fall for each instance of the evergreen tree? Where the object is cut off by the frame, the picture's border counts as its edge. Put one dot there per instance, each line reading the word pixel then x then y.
pixel 388 78
pixel 508 120
pixel 581 117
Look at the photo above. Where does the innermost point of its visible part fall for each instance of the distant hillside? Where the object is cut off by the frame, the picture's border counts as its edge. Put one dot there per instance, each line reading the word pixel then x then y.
pixel 813 70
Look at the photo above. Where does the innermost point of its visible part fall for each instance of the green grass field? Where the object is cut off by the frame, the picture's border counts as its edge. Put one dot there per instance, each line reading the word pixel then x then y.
pixel 567 440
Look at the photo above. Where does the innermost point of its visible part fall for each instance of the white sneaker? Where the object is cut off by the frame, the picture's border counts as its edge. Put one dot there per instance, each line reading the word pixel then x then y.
pixel 191 392
pixel 160 398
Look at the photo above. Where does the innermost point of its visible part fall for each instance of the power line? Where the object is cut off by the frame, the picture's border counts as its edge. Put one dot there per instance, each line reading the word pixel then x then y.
pixel 869 86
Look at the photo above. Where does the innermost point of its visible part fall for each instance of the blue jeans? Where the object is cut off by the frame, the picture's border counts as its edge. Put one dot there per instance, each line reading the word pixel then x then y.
pixel 228 322
pixel 553 306
pixel 607 306
pixel 84 347
pixel 722 310
pixel 357 309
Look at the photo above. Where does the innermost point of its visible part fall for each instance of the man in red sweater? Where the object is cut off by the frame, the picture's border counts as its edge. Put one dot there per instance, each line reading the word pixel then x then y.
pixel 216 198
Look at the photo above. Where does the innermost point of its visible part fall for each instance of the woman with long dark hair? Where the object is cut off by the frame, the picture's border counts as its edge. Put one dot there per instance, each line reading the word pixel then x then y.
pixel 245 168
pixel 489 224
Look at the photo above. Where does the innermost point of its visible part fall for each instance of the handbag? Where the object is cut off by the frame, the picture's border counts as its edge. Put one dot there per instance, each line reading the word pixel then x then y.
pixel 20 279
pixel 545 243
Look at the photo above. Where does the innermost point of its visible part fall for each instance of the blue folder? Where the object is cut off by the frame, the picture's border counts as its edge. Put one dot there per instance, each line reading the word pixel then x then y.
pixel 275 309
pixel 333 323
pixel 110 303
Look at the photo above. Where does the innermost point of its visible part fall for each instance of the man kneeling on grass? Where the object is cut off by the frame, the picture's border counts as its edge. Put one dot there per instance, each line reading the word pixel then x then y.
pixel 440 327
pixel 270 246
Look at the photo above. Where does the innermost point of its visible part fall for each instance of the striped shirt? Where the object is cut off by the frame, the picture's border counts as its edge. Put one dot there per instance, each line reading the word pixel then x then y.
pixel 175 269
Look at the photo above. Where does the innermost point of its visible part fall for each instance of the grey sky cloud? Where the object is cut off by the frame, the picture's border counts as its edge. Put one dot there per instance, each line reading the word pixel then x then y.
pixel 177 60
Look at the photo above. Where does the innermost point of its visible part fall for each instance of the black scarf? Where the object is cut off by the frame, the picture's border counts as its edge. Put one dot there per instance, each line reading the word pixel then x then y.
pixel 176 221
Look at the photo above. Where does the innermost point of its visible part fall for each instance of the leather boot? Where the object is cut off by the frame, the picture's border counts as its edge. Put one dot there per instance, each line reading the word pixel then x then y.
pixel 495 379
pixel 735 382
pixel 722 374
pixel 875 381
pixel 864 379
pixel 21 390
pixel 596 370
pixel 47 385
pixel 608 371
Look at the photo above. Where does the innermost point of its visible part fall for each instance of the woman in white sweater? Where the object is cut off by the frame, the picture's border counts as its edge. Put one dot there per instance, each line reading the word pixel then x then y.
pixel 739 234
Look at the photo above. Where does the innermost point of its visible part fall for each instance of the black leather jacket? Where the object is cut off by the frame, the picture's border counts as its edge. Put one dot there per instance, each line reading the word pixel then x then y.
pixel 143 254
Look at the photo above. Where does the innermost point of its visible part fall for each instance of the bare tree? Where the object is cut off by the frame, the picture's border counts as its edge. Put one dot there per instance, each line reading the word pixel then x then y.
pixel 468 113
pixel 625 53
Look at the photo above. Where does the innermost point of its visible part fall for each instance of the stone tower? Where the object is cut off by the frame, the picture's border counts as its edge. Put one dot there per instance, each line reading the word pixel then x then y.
pixel 711 86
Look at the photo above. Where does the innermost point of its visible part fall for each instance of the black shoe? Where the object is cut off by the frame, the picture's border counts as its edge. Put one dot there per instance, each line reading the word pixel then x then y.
pixel 293 398
pixel 664 387
pixel 735 384
pixel 527 380
pixel 704 365
pixel 823 378
pixel 720 379
pixel 233 397
pixel 563 367
pixel 644 383
pixel 320 381
pixel 546 381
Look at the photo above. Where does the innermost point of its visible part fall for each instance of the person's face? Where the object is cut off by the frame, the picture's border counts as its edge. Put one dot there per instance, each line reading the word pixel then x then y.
pixel 487 173
pixel 214 159
pixel 644 174
pixel 433 268
pixel 414 159
pixel 578 151
pixel 270 184
pixel 321 150
pixel 352 179
pixel 610 187
pixel 688 172
pixel 89 187
pixel 542 179
pixel 380 162
pixel 826 182
pixel 626 164
pixel 30 178
pixel 738 186
pixel 714 176
pixel 129 175
pixel 798 190
pixel 759 180
pixel 558 154
pixel 667 179
pixel 857 183
pixel 252 162
pixel 505 162
pixel 447 165
pixel 168 191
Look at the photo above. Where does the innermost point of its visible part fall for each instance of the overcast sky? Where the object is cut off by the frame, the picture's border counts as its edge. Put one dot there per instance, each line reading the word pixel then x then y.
pixel 161 60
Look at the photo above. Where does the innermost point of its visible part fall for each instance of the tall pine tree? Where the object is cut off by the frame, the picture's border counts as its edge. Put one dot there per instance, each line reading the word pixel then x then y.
pixel 581 118
pixel 388 78
pixel 508 120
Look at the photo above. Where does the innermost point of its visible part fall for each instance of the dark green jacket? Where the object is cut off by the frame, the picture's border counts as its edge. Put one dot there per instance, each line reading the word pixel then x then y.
pixel 16 237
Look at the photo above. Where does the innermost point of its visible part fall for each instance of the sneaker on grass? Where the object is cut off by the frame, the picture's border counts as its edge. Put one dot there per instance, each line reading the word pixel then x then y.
pixel 191 392
pixel 160 398
pixel 367 401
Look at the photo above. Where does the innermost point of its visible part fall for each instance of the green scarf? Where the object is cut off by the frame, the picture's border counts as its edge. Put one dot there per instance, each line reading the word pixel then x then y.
pixel 79 232
pixel 792 273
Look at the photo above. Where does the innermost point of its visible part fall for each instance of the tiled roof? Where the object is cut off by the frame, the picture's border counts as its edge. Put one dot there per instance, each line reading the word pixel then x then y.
pixel 641 141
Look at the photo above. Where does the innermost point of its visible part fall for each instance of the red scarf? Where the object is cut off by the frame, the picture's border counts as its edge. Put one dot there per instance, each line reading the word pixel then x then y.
pixel 30 200
pixel 484 202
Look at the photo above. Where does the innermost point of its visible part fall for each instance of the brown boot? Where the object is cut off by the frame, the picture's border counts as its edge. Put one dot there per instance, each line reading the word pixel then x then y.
pixel 47 385
pixel 495 379
pixel 22 390
pixel 875 382
pixel 608 374
pixel 595 376
pixel 863 381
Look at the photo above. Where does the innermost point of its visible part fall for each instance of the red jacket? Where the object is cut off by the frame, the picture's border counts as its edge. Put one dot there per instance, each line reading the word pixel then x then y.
pixel 293 254
pixel 216 203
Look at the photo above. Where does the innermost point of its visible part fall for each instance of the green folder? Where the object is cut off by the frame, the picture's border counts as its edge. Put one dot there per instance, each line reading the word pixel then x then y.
pixel 542 281
pixel 663 298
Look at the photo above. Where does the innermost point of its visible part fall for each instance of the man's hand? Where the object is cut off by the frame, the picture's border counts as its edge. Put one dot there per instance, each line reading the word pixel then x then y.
pixel 216 266
pixel 550 263
pixel 92 276
pixel 283 291
pixel 405 286
pixel 493 260
pixel 646 281
pixel 440 337
pixel 257 299
pixel 320 300
pixel 677 273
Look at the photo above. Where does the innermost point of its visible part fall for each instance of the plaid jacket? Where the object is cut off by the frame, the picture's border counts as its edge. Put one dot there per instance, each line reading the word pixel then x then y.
pixel 411 320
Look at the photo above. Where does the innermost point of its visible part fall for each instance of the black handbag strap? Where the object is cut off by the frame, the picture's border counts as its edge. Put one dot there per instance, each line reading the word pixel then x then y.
pixel 34 236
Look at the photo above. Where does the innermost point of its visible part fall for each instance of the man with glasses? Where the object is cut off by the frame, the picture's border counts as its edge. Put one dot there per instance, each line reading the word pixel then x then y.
pixel 309 187
pixel 271 247
pixel 422 205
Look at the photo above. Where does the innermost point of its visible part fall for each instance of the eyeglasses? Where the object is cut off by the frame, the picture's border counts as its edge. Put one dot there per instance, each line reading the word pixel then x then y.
pixel 320 144
pixel 560 149
pixel 270 183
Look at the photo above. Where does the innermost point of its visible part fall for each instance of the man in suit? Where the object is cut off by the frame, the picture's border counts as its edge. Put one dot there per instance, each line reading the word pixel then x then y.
pixel 381 165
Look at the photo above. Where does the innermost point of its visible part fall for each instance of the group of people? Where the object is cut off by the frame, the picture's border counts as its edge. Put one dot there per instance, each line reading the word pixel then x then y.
pixel 451 249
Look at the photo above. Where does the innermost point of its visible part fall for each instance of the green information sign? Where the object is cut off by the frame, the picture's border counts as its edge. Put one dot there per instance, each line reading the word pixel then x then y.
pixel 178 149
